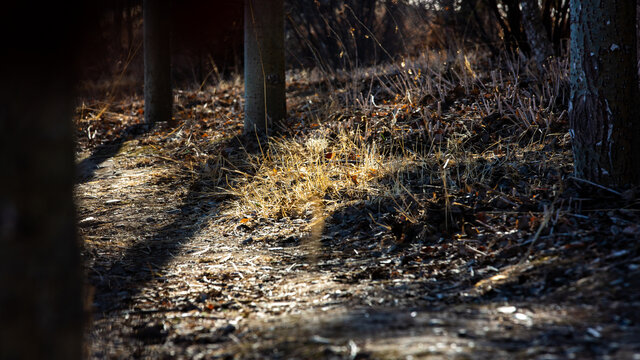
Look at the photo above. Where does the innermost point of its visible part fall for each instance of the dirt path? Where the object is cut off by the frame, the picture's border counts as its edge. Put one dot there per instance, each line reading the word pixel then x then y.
pixel 172 278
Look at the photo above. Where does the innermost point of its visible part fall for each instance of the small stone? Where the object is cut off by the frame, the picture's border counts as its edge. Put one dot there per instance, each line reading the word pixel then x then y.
pixel 507 309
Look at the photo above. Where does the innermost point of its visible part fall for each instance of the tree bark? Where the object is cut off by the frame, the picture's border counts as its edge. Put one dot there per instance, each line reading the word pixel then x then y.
pixel 265 105
pixel 157 61
pixel 40 274
pixel 539 42
pixel 604 91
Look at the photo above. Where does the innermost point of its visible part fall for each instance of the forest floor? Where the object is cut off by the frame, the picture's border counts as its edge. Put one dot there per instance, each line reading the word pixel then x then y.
pixel 408 213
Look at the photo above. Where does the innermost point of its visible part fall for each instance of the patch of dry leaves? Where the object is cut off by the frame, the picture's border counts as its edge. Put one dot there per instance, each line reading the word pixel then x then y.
pixel 418 212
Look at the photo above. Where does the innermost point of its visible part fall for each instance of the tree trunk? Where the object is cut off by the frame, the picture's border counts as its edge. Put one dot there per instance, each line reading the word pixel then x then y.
pixel 539 42
pixel 604 91
pixel 264 80
pixel 40 274
pixel 157 61
pixel 514 18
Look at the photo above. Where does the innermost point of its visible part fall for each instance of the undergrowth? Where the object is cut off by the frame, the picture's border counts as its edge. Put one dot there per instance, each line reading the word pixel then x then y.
pixel 445 130
pixel 437 129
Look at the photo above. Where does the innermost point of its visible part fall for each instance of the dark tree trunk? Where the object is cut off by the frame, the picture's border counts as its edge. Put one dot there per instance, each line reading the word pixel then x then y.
pixel 157 61
pixel 40 274
pixel 510 33
pixel 604 91
pixel 264 78
pixel 562 28
pixel 514 18
pixel 541 46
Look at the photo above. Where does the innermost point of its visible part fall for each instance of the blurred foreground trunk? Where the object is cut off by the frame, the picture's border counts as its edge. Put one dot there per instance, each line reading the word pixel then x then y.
pixel 40 276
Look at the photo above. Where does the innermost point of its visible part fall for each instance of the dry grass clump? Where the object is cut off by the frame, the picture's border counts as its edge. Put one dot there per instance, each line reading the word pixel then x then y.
pixel 293 175
pixel 436 126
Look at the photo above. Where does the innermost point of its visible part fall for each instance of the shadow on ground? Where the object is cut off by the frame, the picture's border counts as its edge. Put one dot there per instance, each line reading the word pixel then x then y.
pixel 87 167
pixel 433 299
pixel 465 331
pixel 420 291
pixel 119 279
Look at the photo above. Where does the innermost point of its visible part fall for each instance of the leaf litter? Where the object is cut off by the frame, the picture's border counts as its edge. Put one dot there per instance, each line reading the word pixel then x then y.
pixel 409 212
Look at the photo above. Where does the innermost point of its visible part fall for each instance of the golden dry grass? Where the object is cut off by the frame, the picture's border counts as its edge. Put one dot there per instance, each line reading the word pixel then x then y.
pixel 294 175
pixel 367 148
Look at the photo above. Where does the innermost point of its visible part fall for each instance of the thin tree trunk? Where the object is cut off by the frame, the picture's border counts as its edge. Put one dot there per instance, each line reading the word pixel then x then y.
pixel 508 35
pixel 604 91
pixel 157 61
pixel 539 42
pixel 40 275
pixel 264 78
pixel 514 18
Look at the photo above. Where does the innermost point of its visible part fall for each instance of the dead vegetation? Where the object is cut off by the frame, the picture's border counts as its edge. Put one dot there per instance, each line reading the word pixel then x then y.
pixel 422 209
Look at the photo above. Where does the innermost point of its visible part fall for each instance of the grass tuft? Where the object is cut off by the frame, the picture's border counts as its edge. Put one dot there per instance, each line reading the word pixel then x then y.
pixel 432 128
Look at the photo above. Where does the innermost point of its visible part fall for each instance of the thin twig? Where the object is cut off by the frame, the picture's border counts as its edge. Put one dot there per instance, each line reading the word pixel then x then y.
pixel 476 250
pixel 596 185
pixel 543 225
